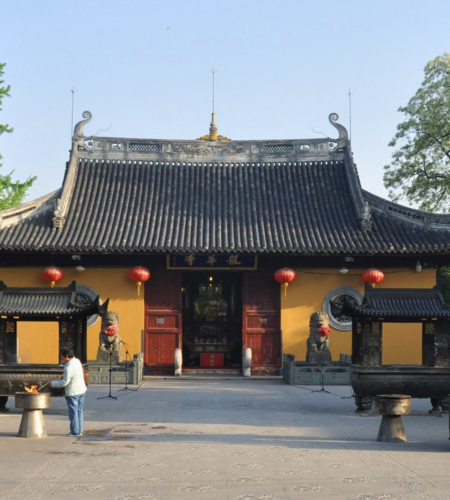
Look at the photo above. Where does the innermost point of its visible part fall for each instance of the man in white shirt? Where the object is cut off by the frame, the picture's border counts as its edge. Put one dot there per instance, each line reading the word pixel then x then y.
pixel 74 388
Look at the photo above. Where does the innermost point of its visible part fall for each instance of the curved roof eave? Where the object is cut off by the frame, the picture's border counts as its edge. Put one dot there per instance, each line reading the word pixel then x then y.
pixel 407 214
pixel 14 215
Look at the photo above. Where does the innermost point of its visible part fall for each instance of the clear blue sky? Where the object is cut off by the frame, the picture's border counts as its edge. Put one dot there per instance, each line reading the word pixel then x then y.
pixel 145 67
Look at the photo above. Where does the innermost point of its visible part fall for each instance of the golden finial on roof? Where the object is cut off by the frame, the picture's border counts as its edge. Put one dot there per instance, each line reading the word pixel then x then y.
pixel 213 132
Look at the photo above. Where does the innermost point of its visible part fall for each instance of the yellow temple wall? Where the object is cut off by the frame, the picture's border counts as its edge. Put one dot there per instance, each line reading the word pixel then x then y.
pixel 402 343
pixel 38 341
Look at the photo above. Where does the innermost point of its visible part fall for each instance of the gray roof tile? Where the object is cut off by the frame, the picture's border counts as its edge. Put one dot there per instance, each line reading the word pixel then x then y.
pixel 44 302
pixel 180 207
pixel 400 303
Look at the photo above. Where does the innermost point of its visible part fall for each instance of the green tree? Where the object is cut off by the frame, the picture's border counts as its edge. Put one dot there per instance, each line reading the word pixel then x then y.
pixel 420 167
pixel 11 193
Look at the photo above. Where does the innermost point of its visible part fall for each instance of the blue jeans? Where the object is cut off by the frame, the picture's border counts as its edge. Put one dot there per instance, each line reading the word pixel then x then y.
pixel 76 405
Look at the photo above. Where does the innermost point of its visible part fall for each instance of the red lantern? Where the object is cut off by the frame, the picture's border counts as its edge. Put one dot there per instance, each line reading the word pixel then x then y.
pixel 139 274
pixel 52 275
pixel 372 276
pixel 285 276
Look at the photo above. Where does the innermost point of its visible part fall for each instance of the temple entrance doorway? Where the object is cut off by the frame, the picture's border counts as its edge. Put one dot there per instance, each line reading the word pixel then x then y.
pixel 212 316
pixel 212 320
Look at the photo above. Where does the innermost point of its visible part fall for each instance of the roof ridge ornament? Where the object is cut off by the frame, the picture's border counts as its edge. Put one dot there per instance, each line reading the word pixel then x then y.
pixel 78 137
pixel 366 221
pixel 213 132
pixel 343 134
pixel 79 142
pixel 58 217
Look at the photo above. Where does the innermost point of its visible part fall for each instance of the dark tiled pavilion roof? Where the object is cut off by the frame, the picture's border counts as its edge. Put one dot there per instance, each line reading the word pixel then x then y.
pixel 408 303
pixel 44 302
pixel 297 196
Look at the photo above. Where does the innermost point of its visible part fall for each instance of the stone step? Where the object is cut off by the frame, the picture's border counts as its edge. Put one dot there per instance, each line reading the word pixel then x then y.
pixel 212 371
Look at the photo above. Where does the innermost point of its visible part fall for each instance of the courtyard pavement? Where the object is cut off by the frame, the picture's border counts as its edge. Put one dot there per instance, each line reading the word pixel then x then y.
pixel 224 439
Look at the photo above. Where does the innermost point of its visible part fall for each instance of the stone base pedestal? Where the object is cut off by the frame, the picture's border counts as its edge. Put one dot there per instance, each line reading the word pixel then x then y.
pixel 318 357
pixel 392 407
pixel 130 372
pixel 103 356
pixel 32 424
pixel 304 373
pixel 391 430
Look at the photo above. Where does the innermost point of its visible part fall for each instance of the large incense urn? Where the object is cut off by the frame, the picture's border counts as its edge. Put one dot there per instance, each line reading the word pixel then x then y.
pixel 370 377
pixel 417 381
pixel 32 424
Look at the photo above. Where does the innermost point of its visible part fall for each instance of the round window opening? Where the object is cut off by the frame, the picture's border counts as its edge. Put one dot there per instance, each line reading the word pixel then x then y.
pixel 85 295
pixel 333 305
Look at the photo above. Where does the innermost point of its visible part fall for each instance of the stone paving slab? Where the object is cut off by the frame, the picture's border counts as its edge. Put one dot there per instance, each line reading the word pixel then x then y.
pixel 219 439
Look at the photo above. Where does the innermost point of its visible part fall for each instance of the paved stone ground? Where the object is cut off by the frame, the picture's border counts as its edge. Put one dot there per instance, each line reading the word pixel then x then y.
pixel 222 439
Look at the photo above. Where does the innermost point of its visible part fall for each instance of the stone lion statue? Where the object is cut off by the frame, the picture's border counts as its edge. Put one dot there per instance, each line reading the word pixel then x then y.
pixel 109 339
pixel 318 350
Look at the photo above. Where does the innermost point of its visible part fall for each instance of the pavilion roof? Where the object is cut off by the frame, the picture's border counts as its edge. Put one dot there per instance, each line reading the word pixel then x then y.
pixel 45 302
pixel 400 303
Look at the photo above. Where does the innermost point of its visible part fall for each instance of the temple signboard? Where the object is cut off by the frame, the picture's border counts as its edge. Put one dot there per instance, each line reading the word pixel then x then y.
pixel 230 261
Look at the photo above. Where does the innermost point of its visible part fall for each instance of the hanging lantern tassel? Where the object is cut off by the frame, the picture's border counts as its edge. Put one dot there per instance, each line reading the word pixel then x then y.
pixel 139 274
pixel 285 276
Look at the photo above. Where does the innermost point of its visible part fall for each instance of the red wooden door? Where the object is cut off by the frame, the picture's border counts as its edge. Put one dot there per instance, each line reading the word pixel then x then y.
pixel 163 323
pixel 261 321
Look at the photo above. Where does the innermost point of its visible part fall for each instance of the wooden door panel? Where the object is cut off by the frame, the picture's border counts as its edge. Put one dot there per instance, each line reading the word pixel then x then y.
pixel 163 325
pixel 265 349
pixel 261 320
pixel 164 291
pixel 160 349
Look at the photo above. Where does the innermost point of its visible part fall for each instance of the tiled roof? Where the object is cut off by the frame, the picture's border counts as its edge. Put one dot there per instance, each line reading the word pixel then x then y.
pixel 298 207
pixel 400 303
pixel 146 196
pixel 44 302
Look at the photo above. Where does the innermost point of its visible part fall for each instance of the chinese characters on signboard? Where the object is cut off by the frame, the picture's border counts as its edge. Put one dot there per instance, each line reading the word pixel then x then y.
pixel 200 261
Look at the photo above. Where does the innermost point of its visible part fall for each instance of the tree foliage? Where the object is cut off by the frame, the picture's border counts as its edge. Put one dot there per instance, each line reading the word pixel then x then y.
pixel 420 167
pixel 11 193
